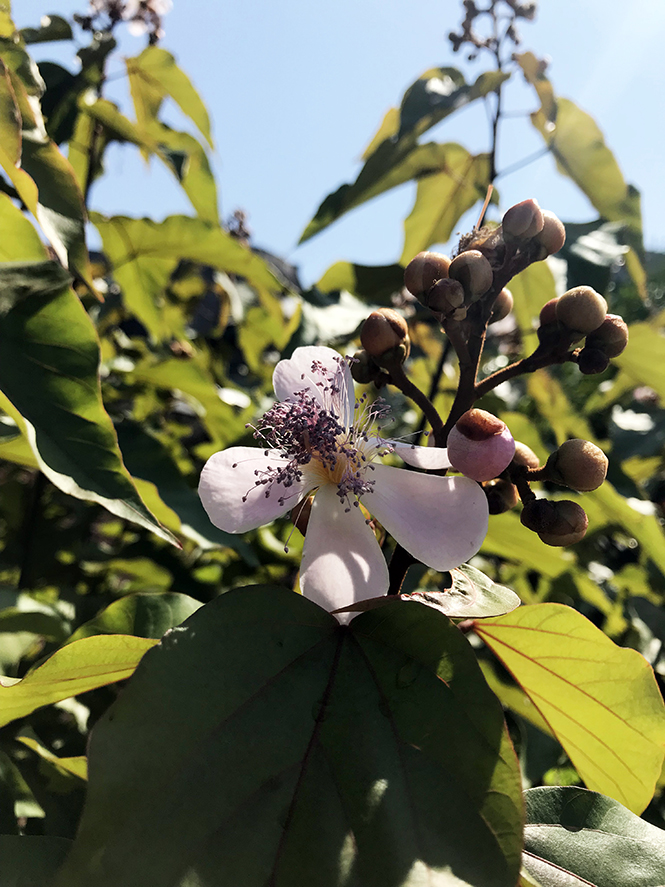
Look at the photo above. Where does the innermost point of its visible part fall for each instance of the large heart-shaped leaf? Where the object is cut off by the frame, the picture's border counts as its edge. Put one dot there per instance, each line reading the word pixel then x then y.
pixel 261 742
pixel 31 860
pixel 591 839
pixel 601 701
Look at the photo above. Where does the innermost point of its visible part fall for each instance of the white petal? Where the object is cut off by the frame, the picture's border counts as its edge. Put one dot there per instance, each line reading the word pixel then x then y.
pixel 295 374
pixel 230 475
pixel 342 562
pixel 441 520
pixel 421 457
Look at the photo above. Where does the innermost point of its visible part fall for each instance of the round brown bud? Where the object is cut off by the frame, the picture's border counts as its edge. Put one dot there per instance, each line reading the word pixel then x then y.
pixel 611 337
pixel 522 221
pixel 592 361
pixel 444 296
pixel 501 495
pixel 548 312
pixel 473 271
pixel 525 456
pixel 552 236
pixel 578 464
pixel 363 369
pixel 424 270
pixel 581 309
pixel 503 305
pixel 557 523
pixel 383 330
pixel 480 445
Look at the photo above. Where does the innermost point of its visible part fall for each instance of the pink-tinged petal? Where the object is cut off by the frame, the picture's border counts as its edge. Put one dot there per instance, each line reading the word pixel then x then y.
pixel 230 476
pixel 295 374
pixel 342 562
pixel 421 457
pixel 441 520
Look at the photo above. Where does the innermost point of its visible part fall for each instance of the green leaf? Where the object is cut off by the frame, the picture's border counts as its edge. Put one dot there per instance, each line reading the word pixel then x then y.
pixel 51 27
pixel 144 615
pixel 45 181
pixel 188 161
pixel 531 288
pixel 84 665
pixel 144 254
pixel 450 187
pixel 31 860
pixel 20 241
pixel 49 358
pixel 153 75
pixel 592 838
pixel 398 157
pixel 601 701
pixel 643 358
pixel 302 753
pixel 77 766
pixel 372 283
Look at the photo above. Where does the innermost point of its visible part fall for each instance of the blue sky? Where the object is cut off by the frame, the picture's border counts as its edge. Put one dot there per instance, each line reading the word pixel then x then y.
pixel 296 89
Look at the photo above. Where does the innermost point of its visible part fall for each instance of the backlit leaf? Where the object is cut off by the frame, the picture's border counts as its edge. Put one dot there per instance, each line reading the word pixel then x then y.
pixel 148 615
pixel 601 701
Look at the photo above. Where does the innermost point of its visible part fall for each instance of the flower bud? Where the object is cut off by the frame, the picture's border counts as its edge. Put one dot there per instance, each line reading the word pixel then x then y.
pixel 424 270
pixel 578 464
pixel 503 305
pixel 611 337
pixel 383 330
pixel 522 221
pixel 525 456
pixel 581 309
pixel 592 361
pixel 444 296
pixel 552 236
pixel 501 495
pixel 363 369
pixel 548 312
pixel 480 445
pixel 557 523
pixel 473 271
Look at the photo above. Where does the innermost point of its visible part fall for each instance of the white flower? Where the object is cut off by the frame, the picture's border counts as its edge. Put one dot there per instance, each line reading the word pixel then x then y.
pixel 319 439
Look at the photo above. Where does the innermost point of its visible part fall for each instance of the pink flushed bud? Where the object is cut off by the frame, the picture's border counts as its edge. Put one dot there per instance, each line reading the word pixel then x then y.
pixel 480 445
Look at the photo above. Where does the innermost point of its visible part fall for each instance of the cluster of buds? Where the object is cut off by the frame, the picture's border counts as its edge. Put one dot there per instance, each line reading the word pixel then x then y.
pixel 385 345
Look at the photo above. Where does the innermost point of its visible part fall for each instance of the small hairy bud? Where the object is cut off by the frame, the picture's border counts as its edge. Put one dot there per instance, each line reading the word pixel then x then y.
pixel 611 337
pixel 578 464
pixel 473 271
pixel 551 237
pixel 424 270
pixel 522 221
pixel 557 523
pixel 501 495
pixel 525 456
pixel 383 330
pixel 592 361
pixel 445 296
pixel 480 445
pixel 581 309
pixel 503 305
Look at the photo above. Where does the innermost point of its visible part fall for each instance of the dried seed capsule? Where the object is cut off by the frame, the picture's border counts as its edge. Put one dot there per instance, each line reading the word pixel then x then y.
pixel 503 305
pixel 383 330
pixel 581 309
pixel 480 445
pixel 557 523
pixel 444 296
pixel 501 495
pixel 522 221
pixel 592 361
pixel 525 456
pixel 424 270
pixel 611 337
pixel 552 236
pixel 578 464
pixel 473 271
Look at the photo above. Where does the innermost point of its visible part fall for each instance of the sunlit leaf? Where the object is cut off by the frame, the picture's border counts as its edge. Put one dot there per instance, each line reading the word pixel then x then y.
pixel 79 667
pixel 601 701
pixel 49 358
pixel 372 283
pixel 148 615
pixel 77 766
pixel 455 181
pixel 302 753
pixel 531 288
pixel 590 838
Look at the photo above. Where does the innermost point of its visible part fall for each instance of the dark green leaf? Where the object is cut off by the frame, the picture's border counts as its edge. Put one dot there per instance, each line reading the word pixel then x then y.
pixel 146 615
pixel 302 753
pixel 372 283
pixel 592 838
pixel 49 358
pixel 60 101
pixel 51 27
pixel 31 860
